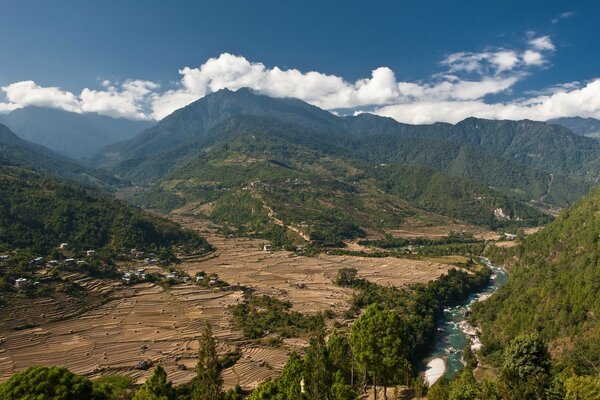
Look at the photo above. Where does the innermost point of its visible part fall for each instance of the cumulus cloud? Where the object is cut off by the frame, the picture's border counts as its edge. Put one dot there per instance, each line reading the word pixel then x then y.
pixel 584 102
pixel 126 101
pixel 28 93
pixel 462 88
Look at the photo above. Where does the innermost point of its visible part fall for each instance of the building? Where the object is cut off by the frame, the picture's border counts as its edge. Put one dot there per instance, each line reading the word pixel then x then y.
pixel 267 247
pixel 37 261
pixel 90 253
pixel 63 246
pixel 20 282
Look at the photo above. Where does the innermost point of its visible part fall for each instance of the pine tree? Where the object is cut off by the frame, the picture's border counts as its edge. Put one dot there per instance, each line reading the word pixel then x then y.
pixel 317 369
pixel 156 387
pixel 208 384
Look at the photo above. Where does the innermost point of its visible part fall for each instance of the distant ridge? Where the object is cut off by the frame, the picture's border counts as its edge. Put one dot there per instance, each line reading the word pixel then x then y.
pixel 78 136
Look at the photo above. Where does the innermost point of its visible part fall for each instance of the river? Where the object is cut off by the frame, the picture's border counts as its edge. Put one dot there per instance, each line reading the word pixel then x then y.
pixel 454 332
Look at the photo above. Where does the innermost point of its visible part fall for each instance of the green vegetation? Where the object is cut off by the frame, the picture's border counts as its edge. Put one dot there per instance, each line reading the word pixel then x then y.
pixel 243 184
pixel 38 383
pixel 261 315
pixel 17 152
pixel 553 289
pixel 37 213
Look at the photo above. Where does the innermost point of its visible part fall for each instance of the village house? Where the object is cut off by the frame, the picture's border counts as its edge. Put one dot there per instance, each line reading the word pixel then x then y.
pixel 63 246
pixel 20 282
pixel 267 247
pixel 90 253
pixel 37 261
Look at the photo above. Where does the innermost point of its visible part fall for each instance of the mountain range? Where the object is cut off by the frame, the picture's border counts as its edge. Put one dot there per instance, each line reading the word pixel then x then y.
pixel 75 135
pixel 589 127
pixel 255 163
pixel 17 152
pixel 206 155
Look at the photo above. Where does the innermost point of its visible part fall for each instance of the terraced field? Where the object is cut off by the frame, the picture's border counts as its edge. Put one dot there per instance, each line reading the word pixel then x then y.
pixel 145 322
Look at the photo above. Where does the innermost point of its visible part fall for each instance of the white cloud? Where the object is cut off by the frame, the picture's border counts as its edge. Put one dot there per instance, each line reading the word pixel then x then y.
pixel 542 43
pixel 583 102
pixel 28 93
pixel 460 90
pixel 564 15
pixel 127 101
pixel 531 57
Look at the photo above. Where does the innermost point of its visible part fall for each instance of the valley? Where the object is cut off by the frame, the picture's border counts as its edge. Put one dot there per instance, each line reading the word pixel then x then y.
pixel 160 325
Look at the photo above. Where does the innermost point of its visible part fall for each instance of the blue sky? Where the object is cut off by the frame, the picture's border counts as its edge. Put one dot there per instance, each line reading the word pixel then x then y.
pixel 435 60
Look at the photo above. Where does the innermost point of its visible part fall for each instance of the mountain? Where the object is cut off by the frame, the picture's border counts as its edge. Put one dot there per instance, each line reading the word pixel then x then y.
pixel 78 136
pixel 553 288
pixel 195 120
pixel 265 172
pixel 15 151
pixel 244 159
pixel 589 127
pixel 523 159
pixel 37 212
pixel 550 148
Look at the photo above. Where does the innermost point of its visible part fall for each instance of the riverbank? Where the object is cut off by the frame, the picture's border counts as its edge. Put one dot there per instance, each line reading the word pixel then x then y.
pixel 455 332
pixel 435 369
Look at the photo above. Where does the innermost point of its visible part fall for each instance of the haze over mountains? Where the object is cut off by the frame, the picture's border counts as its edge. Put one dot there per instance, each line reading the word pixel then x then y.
pixel 589 127
pixel 18 152
pixel 78 136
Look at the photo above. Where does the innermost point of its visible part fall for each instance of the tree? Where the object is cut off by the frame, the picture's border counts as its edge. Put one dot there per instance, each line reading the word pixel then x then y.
pixel 340 390
pixel 464 388
pixel 379 343
pixel 114 387
pixel 346 276
pixel 317 368
pixel 582 388
pixel 40 383
pixel 525 372
pixel 340 356
pixel 208 383
pixel 289 383
pixel 156 387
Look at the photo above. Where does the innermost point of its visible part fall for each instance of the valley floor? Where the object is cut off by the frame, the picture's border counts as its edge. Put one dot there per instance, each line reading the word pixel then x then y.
pixel 147 322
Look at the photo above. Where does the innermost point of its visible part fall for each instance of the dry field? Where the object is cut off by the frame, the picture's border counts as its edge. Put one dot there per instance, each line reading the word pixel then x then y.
pixel 145 322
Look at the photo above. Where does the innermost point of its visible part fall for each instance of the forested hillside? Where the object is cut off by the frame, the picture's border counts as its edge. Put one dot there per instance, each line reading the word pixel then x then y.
pixel 38 212
pixel 258 177
pixel 553 289
pixel 523 159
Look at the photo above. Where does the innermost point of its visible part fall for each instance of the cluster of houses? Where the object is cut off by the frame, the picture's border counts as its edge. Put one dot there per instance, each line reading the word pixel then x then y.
pixel 201 278
pixel 40 262
pixel 140 274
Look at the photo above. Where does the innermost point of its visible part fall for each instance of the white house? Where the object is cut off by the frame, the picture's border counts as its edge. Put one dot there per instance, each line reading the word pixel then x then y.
pixel 90 253
pixel 63 246
pixel 20 282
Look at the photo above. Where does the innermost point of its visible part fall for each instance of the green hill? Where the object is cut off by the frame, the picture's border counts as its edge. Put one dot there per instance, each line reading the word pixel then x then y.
pixel 553 287
pixel 38 212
